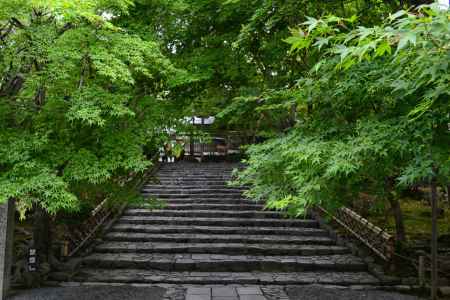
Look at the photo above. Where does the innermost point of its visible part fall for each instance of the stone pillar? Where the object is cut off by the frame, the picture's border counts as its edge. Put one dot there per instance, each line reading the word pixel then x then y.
pixel 6 245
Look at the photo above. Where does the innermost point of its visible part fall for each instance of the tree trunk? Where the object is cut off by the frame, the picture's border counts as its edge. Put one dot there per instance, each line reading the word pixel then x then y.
pixel 448 193
pixel 400 233
pixel 434 238
pixel 41 234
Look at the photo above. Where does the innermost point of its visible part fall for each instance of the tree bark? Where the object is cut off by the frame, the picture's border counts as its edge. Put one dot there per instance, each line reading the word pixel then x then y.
pixel 400 233
pixel 434 238
pixel 448 193
pixel 41 234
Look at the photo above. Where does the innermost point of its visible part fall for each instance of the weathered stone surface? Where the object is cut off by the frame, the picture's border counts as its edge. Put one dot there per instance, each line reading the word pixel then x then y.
pixel 208 206
pixel 198 291
pixel 211 234
pixel 249 291
pixel 224 292
pixel 203 213
pixel 6 245
pixel 218 238
pixel 198 297
pixel 216 221
pixel 204 262
pixel 217 247
pixel 92 293
pixel 252 297
pixel 254 277
pixel 247 230
pixel 324 293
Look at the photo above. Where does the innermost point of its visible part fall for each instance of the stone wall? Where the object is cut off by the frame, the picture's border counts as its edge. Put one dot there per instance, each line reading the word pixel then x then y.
pixel 6 245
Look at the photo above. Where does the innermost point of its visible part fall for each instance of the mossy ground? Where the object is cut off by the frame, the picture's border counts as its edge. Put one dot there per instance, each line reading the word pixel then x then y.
pixel 417 218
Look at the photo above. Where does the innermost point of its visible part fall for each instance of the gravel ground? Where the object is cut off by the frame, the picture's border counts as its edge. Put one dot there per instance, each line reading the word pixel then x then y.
pixel 88 293
pixel 323 293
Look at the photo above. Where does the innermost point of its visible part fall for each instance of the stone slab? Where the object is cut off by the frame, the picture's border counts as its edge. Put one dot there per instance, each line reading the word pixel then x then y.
pixel 198 291
pixel 106 292
pixel 249 291
pixel 6 245
pixel 252 297
pixel 224 292
pixel 198 297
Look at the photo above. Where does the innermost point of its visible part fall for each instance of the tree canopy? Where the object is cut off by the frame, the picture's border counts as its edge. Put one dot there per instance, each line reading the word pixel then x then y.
pixel 376 113
pixel 345 97
pixel 80 98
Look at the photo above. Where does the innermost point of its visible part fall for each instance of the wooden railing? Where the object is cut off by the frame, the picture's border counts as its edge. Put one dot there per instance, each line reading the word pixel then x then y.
pixel 424 269
pixel 375 238
pixel 78 237
pixel 215 144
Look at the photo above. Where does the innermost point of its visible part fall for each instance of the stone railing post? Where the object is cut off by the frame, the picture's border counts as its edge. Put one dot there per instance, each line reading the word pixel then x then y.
pixel 6 245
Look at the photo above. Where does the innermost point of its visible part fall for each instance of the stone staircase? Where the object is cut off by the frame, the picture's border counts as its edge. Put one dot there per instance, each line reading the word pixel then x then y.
pixel 208 233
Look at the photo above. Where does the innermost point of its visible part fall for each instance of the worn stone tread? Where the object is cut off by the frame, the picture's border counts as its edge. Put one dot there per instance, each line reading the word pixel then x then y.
pixel 217 221
pixel 211 206
pixel 216 247
pixel 191 191
pixel 203 200
pixel 209 232
pixel 218 238
pixel 193 182
pixel 302 231
pixel 166 195
pixel 189 177
pixel 190 187
pixel 264 278
pixel 224 262
pixel 204 213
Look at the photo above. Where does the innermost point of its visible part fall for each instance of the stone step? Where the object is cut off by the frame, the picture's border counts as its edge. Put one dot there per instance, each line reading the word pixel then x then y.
pixel 223 262
pixel 217 221
pixel 191 182
pixel 194 176
pixel 218 238
pixel 193 187
pixel 193 173
pixel 197 168
pixel 204 213
pixel 193 196
pixel 192 191
pixel 189 229
pixel 137 276
pixel 211 206
pixel 228 168
pixel 222 179
pixel 205 200
pixel 210 233
pixel 201 166
pixel 220 248
pixel 219 171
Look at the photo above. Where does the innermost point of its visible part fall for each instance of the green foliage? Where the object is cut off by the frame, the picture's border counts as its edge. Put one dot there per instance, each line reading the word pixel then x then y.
pixel 377 117
pixel 89 88
pixel 80 98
